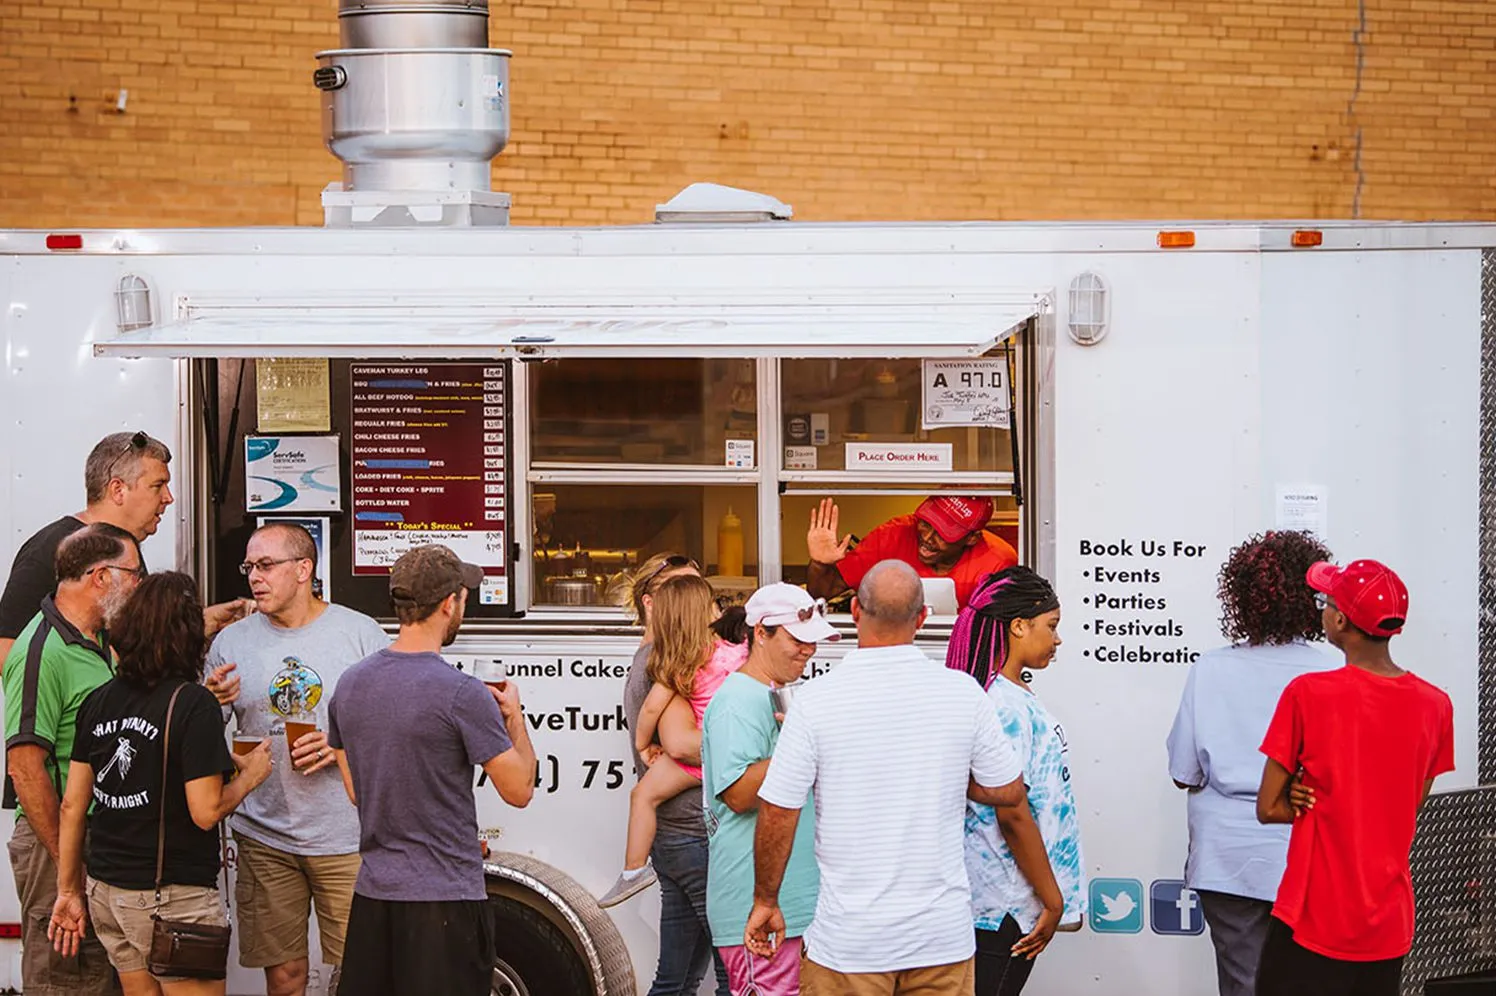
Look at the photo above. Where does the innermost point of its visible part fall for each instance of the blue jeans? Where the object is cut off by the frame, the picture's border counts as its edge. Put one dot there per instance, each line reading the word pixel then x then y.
pixel 685 939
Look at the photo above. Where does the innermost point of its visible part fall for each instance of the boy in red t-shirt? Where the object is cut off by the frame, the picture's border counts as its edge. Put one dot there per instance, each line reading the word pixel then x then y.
pixel 1366 741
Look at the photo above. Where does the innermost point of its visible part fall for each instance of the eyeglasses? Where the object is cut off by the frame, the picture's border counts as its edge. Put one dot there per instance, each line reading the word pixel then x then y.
pixel 138 441
pixel 264 566
pixel 1321 601
pixel 676 561
pixel 139 572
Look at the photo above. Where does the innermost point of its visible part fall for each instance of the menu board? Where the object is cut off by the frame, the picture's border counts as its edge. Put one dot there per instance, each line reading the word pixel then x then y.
pixel 428 454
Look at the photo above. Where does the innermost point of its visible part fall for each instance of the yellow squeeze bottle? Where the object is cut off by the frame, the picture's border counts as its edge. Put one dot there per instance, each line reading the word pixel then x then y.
pixel 730 545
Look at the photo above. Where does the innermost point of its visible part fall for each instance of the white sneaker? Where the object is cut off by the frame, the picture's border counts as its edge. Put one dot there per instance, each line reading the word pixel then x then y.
pixel 628 886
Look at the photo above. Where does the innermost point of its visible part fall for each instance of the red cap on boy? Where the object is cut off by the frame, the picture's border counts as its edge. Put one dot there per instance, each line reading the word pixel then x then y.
pixel 1370 594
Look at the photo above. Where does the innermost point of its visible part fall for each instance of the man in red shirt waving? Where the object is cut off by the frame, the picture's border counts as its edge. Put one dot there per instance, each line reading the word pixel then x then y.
pixel 945 537
pixel 1367 741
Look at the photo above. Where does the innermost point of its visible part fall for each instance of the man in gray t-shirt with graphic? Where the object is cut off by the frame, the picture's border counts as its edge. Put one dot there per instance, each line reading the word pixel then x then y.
pixel 297 837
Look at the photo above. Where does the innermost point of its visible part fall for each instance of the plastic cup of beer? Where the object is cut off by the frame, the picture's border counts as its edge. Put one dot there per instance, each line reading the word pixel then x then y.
pixel 244 743
pixel 492 673
pixel 780 696
pixel 298 728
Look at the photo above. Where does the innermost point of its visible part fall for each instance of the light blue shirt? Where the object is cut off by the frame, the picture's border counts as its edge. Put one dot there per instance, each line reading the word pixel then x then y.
pixel 1228 701
pixel 998 888
pixel 738 730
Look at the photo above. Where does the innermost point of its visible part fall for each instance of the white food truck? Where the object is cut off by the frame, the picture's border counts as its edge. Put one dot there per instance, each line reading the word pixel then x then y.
pixel 558 404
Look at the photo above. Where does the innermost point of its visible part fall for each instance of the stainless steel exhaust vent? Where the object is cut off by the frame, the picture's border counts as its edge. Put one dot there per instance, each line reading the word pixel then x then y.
pixel 416 105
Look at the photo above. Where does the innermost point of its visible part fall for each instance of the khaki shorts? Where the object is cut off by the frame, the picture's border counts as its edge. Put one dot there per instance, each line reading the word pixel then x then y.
pixel 957 979
pixel 273 898
pixel 44 972
pixel 122 917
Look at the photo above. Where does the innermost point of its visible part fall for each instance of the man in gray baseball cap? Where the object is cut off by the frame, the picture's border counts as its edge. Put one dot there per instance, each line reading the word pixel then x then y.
pixel 408 729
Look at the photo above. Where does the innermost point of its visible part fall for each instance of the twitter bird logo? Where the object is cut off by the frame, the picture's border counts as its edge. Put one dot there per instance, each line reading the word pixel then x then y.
pixel 1116 905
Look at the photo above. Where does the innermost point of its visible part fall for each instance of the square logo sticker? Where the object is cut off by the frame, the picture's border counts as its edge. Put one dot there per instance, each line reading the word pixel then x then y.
pixel 1174 908
pixel 1116 905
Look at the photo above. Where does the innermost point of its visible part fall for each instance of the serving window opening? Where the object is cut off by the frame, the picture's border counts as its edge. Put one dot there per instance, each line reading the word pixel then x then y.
pixel 560 475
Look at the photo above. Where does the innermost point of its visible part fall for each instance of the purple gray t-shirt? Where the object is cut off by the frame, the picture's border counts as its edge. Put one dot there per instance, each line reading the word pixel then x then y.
pixel 414 727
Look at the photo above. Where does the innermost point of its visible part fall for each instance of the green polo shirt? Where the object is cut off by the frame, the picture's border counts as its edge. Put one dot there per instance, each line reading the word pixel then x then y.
pixel 48 673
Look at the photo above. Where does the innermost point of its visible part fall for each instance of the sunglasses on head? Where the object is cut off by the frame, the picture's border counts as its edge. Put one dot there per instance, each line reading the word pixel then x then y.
pixel 816 608
pixel 138 441
pixel 675 561
pixel 1321 600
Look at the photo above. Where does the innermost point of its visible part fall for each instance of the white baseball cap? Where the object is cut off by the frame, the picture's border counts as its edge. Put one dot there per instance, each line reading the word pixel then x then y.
pixel 793 608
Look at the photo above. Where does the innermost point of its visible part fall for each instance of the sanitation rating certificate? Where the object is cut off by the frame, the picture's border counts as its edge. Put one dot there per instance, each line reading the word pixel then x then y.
pixel 429 454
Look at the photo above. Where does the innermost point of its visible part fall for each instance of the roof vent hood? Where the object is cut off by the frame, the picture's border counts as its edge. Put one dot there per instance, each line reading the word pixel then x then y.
pixel 416 105
pixel 712 202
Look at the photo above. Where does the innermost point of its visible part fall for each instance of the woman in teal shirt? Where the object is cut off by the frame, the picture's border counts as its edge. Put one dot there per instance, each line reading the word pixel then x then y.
pixel 783 625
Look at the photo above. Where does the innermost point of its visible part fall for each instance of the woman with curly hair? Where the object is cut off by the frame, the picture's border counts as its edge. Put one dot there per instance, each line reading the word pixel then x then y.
pixel 1235 863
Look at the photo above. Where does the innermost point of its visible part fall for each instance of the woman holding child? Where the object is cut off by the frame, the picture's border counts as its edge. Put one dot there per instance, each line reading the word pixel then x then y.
pixel 678 857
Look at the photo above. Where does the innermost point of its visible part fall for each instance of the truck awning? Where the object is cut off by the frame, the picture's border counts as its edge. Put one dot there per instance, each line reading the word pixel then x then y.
pixel 943 326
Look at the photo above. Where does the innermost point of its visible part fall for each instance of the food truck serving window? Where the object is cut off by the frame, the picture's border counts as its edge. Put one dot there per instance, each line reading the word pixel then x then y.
pixel 878 436
pixel 630 458
pixel 558 466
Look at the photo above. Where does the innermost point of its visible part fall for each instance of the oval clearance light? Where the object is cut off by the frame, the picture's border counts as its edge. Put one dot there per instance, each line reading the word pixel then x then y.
pixel 64 242
pixel 1176 240
pixel 1307 238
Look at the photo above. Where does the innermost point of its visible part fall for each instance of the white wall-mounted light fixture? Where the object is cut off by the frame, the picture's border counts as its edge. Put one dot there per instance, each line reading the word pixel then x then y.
pixel 132 304
pixel 1090 309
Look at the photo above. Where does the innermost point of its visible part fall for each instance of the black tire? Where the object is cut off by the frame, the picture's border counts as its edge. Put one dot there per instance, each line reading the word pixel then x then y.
pixel 537 950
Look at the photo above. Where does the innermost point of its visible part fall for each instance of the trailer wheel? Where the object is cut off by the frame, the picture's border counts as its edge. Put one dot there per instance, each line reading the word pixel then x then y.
pixel 534 957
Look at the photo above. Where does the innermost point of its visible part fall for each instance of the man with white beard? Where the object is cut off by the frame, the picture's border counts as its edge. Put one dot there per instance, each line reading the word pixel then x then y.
pixel 59 658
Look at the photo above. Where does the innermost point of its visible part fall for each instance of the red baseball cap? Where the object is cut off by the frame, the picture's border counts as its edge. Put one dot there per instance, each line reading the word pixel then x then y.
pixel 955 517
pixel 1367 591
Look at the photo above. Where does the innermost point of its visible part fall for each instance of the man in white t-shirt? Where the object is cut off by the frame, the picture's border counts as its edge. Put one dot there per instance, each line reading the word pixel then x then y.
pixel 893 744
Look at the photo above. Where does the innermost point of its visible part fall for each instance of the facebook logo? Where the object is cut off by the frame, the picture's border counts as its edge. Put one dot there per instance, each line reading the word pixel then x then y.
pixel 1174 908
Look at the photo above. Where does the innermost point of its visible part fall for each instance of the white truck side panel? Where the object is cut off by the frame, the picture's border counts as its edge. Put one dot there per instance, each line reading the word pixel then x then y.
pixel 1154 429
pixel 1373 389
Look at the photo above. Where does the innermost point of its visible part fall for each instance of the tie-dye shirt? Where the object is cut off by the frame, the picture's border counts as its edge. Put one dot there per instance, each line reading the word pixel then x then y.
pixel 998 888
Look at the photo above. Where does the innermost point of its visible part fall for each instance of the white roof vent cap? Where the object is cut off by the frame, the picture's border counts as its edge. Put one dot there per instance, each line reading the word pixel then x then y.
pixel 712 202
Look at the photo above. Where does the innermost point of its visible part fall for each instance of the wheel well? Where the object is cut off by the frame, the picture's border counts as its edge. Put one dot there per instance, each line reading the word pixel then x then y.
pixel 572 910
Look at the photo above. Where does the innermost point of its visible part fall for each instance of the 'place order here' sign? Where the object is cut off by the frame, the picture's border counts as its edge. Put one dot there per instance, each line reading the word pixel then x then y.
pixel 898 457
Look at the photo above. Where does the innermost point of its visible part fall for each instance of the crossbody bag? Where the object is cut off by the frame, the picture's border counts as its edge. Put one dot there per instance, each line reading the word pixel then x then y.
pixel 178 948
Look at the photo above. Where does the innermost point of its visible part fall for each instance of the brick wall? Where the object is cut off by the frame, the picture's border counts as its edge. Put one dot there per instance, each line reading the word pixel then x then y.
pixel 848 109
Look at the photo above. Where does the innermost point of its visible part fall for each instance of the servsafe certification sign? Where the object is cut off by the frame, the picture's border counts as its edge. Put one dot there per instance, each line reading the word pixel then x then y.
pixel 292 474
